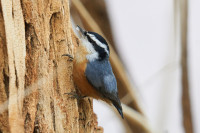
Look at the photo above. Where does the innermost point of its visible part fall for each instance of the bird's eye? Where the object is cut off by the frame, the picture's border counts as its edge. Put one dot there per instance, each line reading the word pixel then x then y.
pixel 90 40
pixel 85 33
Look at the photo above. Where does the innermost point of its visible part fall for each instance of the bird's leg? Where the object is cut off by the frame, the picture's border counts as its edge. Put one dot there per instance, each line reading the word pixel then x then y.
pixel 71 58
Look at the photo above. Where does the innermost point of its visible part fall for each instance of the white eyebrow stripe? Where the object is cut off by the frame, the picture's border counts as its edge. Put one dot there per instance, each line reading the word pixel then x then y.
pixel 99 43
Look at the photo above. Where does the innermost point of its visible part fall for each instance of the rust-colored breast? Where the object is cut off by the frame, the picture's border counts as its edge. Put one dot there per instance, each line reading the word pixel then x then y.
pixel 80 64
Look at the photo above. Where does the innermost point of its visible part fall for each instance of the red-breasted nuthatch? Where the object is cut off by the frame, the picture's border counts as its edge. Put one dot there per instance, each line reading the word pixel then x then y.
pixel 92 71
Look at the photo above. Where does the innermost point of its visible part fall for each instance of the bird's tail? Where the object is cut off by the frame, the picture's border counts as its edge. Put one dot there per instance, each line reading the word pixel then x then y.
pixel 118 106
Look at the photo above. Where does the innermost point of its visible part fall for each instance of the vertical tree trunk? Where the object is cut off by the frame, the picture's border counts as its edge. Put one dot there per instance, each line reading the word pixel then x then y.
pixel 34 76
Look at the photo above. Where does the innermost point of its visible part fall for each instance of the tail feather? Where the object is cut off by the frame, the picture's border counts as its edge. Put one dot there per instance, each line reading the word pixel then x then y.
pixel 118 106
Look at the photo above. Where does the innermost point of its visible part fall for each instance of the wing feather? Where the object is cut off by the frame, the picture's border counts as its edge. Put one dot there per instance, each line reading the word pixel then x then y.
pixel 100 75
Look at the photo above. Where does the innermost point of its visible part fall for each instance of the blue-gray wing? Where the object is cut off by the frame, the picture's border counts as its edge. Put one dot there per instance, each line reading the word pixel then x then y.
pixel 100 75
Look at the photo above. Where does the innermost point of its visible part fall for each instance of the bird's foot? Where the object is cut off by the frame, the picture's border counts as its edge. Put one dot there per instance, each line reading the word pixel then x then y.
pixel 71 58
pixel 75 95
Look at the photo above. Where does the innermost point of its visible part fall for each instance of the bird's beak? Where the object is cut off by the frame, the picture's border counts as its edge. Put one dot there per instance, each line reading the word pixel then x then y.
pixel 83 32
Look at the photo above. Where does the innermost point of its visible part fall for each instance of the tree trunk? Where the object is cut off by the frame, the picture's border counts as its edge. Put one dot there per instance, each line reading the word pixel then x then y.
pixel 34 76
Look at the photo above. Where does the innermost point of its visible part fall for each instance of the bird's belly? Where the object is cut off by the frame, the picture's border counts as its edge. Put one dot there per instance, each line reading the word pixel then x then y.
pixel 82 83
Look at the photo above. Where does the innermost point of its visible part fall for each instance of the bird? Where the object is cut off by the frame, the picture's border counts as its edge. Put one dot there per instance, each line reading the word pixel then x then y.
pixel 92 71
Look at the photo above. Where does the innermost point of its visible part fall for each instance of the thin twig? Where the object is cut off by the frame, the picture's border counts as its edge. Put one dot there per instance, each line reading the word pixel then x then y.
pixel 187 116
pixel 136 119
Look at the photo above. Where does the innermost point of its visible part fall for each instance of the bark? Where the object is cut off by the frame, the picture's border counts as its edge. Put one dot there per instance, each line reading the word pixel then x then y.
pixel 34 76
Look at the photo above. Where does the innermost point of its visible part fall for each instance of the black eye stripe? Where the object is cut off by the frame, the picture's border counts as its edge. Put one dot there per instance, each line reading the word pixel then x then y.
pixel 100 50
pixel 100 38
pixel 85 33
pixel 90 40
pixel 93 42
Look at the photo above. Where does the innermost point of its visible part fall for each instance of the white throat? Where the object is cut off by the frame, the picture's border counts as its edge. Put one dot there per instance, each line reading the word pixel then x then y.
pixel 93 55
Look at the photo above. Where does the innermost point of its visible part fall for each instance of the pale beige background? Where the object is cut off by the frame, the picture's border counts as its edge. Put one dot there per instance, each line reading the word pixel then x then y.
pixel 145 35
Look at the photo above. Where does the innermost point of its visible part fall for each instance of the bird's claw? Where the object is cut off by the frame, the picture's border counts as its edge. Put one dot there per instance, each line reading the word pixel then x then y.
pixel 75 95
pixel 71 58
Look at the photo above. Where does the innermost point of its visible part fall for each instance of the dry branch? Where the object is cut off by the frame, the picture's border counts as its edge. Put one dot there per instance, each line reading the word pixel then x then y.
pixel 186 106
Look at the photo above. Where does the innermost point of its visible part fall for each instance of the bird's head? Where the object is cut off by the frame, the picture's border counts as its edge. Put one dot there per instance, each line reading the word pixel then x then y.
pixel 95 44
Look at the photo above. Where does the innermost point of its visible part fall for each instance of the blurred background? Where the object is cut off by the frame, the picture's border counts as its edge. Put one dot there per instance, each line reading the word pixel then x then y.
pixel 155 56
